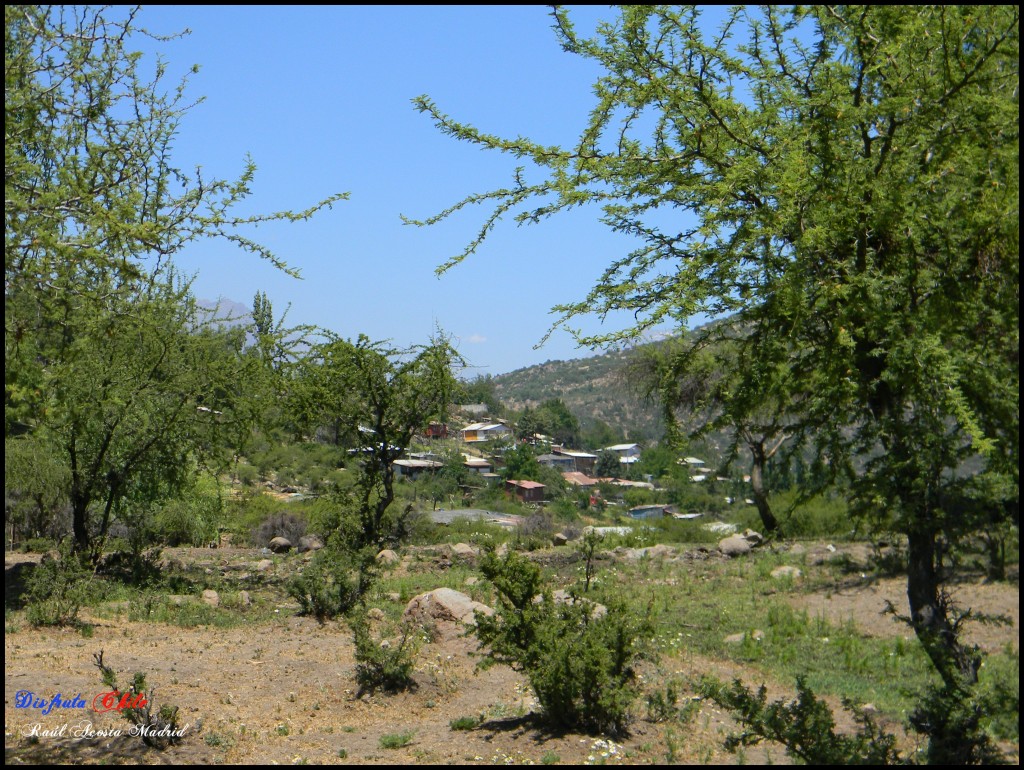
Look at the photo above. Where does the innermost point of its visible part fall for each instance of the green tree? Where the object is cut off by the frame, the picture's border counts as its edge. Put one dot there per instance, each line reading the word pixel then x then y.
pixel 386 397
pixel 558 422
pixel 730 385
pixel 845 179
pixel 521 464
pixel 102 358
pixel 608 465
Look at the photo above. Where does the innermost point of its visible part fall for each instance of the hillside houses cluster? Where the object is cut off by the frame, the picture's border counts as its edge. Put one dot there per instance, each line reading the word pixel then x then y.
pixel 577 467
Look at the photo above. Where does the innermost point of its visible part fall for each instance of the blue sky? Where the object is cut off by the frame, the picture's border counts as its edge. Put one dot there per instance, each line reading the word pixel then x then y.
pixel 321 99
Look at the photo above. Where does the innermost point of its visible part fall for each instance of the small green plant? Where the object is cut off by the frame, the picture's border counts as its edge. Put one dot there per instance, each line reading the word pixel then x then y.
pixel 158 730
pixel 383 664
pixel 550 758
pixel 464 723
pixel 397 740
pixel 662 705
pixel 342 754
pixel 588 547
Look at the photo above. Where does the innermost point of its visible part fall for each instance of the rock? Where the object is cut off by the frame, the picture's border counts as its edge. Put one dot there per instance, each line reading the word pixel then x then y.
pixel 263 565
pixel 463 552
pixel 564 597
pixel 244 599
pixel 472 580
pixel 375 613
pixel 735 545
pixel 444 604
pixel 388 557
pixel 280 545
pixel 211 597
pixel 559 538
pixel 752 537
pixel 310 543
pixel 782 572
pixel 394 597
pixel 757 635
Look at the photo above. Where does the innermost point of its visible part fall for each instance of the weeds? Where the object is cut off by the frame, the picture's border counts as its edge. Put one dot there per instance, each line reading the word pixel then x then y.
pixel 397 740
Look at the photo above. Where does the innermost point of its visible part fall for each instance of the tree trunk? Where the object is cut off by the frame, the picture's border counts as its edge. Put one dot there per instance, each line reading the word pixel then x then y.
pixel 771 524
pixel 929 613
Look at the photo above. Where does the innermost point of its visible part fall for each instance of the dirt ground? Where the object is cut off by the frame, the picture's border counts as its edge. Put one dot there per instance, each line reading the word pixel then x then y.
pixel 285 693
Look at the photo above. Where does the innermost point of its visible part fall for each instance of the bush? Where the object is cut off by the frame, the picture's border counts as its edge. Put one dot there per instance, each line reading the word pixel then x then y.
pixel 333 582
pixel 804 726
pixel 58 588
pixel 382 664
pixel 580 665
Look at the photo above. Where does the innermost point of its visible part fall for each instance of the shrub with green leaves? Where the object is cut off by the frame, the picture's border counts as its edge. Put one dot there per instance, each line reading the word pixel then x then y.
pixel 805 726
pixel 382 664
pixel 158 729
pixel 332 583
pixel 57 589
pixel 579 662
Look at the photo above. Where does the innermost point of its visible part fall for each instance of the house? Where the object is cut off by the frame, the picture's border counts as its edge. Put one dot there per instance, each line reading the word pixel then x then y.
pixel 478 464
pixel 585 461
pixel 410 469
pixel 628 453
pixel 527 491
pixel 647 511
pixel 578 479
pixel 485 431
pixel 558 462
pixel 436 430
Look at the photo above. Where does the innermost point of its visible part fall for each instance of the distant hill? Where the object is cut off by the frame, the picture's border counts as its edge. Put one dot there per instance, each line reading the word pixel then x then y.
pixel 592 388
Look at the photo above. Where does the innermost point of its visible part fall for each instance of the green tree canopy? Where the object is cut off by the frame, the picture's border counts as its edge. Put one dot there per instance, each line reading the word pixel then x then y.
pixel 104 353
pixel 845 181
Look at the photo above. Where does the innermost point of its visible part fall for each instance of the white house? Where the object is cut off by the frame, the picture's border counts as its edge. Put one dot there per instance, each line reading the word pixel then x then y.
pixel 485 431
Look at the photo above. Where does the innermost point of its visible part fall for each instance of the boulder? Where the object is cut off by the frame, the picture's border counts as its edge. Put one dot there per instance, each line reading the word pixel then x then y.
pixel 444 604
pixel 388 557
pixel 310 543
pixel 463 552
pixel 783 572
pixel 263 565
pixel 564 597
pixel 559 538
pixel 752 537
pixel 211 597
pixel 280 545
pixel 735 545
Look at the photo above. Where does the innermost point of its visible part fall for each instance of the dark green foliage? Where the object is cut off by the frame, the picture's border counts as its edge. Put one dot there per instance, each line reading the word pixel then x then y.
pixel 334 582
pixel 382 664
pixel 464 723
pixel 608 466
pixel 953 720
pixel 805 726
pixel 580 664
pixel 521 464
pixel 58 588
